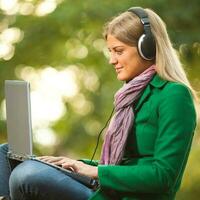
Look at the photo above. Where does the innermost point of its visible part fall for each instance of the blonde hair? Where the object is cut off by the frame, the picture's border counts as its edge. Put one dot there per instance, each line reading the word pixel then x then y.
pixel 127 28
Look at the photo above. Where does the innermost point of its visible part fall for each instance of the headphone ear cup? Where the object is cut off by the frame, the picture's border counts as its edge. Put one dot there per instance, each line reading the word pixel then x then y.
pixel 147 47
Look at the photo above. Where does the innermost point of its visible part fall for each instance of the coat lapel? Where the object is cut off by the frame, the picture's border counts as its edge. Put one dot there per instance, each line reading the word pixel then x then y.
pixel 143 97
pixel 156 82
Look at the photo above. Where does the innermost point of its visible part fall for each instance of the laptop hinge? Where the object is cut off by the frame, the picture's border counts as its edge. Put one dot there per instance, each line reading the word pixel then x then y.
pixel 18 157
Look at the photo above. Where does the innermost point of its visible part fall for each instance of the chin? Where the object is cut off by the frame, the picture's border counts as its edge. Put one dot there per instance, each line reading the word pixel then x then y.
pixel 120 78
pixel 123 78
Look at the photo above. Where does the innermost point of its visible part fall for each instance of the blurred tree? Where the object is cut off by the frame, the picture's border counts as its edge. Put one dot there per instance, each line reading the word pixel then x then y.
pixel 69 33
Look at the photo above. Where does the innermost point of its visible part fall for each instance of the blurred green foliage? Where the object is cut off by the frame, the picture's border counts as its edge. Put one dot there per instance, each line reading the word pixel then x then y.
pixel 47 41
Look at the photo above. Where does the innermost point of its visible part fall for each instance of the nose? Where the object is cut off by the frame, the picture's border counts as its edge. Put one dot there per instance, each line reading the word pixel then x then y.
pixel 113 59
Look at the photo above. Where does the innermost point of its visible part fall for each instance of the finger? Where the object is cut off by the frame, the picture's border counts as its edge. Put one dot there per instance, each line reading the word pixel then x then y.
pixel 71 169
pixel 55 159
pixel 50 159
pixel 60 162
pixel 45 158
pixel 42 157
pixel 68 166
pixel 71 166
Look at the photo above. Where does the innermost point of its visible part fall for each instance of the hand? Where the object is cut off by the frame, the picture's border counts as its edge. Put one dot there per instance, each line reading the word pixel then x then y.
pixel 74 165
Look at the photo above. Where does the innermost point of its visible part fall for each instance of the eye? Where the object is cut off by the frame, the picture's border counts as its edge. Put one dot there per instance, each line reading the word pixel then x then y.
pixel 119 52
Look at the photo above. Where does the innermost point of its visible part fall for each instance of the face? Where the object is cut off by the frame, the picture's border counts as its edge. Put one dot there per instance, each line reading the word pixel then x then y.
pixel 125 59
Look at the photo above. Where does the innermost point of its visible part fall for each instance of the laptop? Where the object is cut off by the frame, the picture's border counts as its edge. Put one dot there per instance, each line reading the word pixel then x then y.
pixel 19 129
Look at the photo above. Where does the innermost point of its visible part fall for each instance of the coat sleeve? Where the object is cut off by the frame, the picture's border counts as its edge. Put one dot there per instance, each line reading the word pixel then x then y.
pixel 176 124
pixel 89 162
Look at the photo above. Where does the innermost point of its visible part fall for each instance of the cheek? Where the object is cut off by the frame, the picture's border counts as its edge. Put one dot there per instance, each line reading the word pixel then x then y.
pixel 132 71
pixel 133 67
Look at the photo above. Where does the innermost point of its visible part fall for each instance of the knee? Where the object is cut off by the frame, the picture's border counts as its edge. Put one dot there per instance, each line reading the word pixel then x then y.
pixel 23 177
pixel 4 148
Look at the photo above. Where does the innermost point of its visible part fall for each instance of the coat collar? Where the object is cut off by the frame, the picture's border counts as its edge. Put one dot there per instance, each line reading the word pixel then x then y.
pixel 156 82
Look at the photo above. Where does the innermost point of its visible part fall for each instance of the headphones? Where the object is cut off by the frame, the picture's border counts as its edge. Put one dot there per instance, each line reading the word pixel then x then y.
pixel 146 43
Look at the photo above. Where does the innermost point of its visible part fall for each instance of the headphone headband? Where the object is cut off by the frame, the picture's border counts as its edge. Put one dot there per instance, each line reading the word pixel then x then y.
pixel 139 12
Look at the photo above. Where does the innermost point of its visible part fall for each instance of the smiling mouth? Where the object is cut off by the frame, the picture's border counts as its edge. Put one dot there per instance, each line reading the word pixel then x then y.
pixel 118 69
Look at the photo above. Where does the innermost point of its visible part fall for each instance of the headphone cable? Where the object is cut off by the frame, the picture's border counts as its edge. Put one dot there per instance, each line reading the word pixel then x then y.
pixel 100 135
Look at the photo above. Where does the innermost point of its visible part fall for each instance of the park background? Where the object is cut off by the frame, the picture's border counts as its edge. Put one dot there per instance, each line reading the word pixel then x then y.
pixel 57 46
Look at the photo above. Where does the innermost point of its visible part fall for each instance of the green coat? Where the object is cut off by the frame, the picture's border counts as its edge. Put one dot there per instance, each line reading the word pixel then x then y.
pixel 157 149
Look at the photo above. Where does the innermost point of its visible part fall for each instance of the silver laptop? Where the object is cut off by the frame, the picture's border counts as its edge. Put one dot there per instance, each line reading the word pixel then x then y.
pixel 19 128
pixel 18 114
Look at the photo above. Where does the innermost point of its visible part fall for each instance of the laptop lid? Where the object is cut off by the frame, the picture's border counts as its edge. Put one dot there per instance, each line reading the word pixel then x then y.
pixel 18 115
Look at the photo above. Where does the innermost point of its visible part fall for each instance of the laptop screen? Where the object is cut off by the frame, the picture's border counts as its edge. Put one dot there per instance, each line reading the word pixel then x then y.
pixel 18 116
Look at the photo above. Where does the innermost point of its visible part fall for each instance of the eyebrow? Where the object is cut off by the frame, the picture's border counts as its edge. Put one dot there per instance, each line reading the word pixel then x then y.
pixel 115 47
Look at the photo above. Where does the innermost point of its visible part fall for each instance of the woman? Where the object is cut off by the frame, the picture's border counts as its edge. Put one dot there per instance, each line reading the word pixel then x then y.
pixel 149 137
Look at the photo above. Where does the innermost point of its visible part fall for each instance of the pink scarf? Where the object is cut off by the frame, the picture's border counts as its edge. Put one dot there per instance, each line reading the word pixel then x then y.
pixel 122 121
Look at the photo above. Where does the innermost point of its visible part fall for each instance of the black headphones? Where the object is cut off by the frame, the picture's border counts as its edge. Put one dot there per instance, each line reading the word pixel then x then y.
pixel 146 43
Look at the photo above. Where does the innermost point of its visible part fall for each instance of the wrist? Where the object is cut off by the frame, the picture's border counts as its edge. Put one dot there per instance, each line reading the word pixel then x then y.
pixel 94 173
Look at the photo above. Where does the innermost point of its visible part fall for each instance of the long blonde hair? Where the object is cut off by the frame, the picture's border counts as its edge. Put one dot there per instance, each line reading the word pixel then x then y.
pixel 127 28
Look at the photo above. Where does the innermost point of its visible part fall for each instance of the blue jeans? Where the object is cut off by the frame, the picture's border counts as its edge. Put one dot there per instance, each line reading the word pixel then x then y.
pixel 32 180
pixel 5 170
